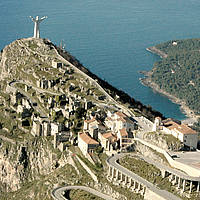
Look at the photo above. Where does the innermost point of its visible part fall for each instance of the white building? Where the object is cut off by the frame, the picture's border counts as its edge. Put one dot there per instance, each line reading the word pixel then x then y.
pixel 55 128
pixel 107 140
pixel 36 128
pixel 184 133
pixel 118 121
pixel 86 143
pixel 46 128
pixel 156 124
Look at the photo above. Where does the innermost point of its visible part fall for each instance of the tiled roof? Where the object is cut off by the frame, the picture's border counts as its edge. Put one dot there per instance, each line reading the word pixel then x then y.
pixel 172 125
pixel 184 129
pixel 90 120
pixel 123 132
pixel 123 117
pixel 87 139
pixel 120 114
pixel 110 136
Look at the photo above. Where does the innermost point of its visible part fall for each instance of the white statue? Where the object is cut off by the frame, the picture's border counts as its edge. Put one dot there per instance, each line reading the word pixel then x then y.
pixel 37 22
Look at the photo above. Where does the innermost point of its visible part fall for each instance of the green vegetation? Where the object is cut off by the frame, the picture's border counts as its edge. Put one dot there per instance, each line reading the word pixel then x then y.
pixel 172 142
pixel 41 188
pixel 82 195
pixel 150 173
pixel 179 73
pixel 32 45
pixel 101 172
pixel 146 171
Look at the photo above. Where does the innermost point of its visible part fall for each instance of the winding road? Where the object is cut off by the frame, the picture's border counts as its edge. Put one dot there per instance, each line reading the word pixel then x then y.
pixel 112 161
pixel 57 193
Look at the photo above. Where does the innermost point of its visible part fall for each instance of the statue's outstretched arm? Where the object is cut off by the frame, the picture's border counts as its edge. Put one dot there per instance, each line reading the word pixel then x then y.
pixel 32 18
pixel 45 17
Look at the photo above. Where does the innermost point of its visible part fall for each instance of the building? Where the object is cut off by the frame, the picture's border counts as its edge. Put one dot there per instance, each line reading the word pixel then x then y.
pixel 55 128
pixel 86 143
pixel 46 128
pixel 93 127
pixel 156 124
pixel 56 64
pixel 118 120
pixel 182 132
pixel 124 137
pixel 36 129
pixel 108 141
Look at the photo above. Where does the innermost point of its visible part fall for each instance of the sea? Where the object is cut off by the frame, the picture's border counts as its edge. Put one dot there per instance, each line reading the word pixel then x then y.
pixel 109 37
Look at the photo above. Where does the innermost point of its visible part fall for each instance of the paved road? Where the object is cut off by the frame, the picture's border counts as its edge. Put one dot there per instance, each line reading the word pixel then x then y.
pixel 189 169
pixel 171 170
pixel 112 161
pixel 57 193
pixel 190 158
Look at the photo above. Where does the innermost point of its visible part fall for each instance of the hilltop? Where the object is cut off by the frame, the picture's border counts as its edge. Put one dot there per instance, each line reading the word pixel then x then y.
pixel 59 122
pixel 44 100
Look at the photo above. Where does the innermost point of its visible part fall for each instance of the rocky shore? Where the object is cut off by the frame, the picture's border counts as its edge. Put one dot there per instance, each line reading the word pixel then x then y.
pixel 191 116
pixel 157 51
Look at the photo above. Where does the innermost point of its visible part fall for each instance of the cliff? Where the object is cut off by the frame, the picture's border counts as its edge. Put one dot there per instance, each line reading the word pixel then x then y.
pixel 34 91
pixel 21 163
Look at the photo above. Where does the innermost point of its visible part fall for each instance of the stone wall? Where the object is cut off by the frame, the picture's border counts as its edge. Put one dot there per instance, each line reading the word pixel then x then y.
pixel 181 166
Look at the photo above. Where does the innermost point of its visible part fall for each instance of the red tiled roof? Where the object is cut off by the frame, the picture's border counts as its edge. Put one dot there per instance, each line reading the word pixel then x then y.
pixel 184 129
pixel 121 119
pixel 110 136
pixel 107 135
pixel 170 124
pixel 87 139
pixel 90 120
pixel 123 132
pixel 120 114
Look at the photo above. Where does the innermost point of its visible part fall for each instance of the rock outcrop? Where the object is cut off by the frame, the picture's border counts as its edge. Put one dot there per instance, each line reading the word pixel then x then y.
pixel 20 163
pixel 164 141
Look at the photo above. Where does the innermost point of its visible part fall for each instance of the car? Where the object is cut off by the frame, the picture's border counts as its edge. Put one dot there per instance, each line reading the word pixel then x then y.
pixel 174 156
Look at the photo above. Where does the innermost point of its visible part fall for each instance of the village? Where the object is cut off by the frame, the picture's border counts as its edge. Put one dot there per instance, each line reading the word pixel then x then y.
pixel 48 99
pixel 74 119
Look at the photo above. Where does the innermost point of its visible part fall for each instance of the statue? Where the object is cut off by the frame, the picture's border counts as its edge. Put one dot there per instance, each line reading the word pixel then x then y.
pixel 37 22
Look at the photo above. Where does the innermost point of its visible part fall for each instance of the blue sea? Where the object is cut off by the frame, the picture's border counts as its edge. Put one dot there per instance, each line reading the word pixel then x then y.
pixel 109 36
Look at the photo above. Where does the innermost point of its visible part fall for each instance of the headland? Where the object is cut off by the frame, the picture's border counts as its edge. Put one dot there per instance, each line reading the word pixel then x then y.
pixel 147 81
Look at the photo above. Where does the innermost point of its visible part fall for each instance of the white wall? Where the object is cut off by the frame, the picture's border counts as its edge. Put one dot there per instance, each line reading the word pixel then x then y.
pixel 181 166
pixel 82 145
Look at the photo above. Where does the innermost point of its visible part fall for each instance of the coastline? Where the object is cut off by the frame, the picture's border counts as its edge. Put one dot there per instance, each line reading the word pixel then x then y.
pixel 122 96
pixel 157 51
pixel 191 116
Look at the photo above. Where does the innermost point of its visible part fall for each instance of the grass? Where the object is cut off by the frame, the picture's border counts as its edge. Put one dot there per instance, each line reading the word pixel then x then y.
pixel 171 141
pixel 32 45
pixel 82 195
pixel 101 174
pixel 42 187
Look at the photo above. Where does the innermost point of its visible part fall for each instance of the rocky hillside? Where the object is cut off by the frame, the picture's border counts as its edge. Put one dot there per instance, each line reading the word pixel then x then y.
pixel 164 141
pixel 23 162
pixel 38 90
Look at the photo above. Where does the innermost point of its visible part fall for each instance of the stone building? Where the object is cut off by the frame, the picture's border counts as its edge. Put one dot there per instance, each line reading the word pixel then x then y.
pixel 182 132
pixel 56 64
pixel 36 128
pixel 86 143
pixel 108 141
